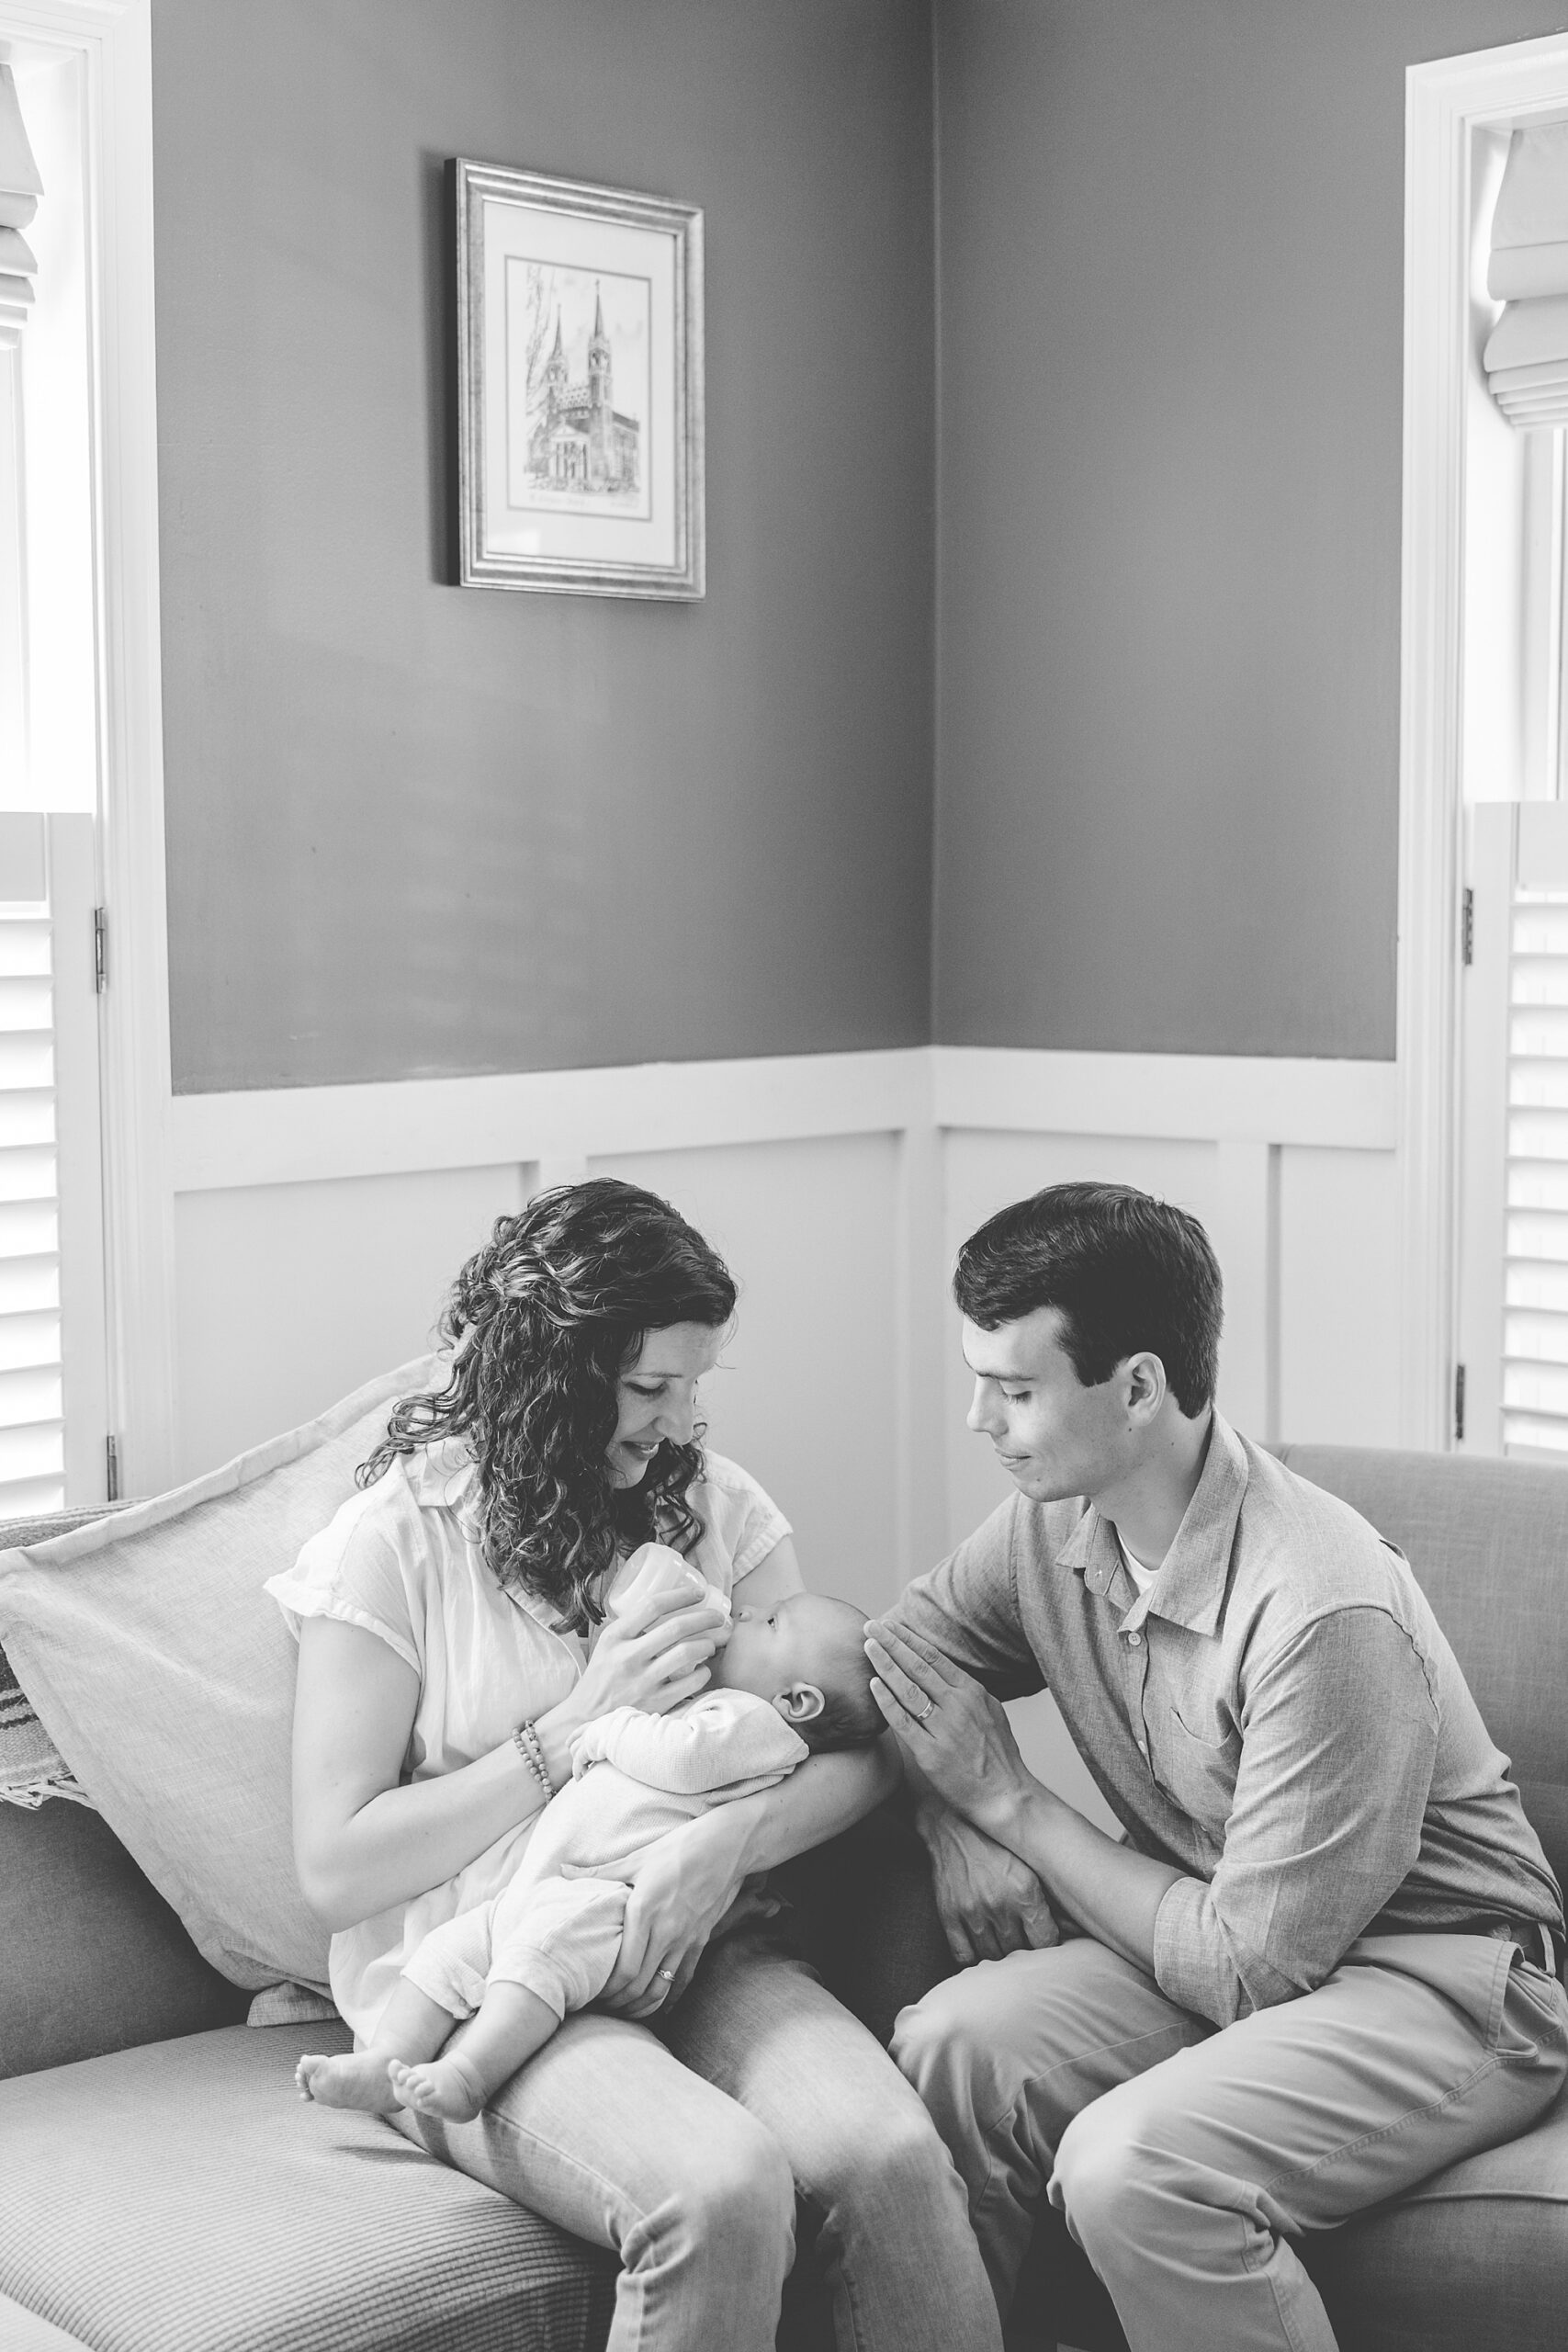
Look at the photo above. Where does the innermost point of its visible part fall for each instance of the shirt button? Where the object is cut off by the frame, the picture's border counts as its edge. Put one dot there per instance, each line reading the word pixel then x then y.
pixel 1134 1641
pixel 1142 1747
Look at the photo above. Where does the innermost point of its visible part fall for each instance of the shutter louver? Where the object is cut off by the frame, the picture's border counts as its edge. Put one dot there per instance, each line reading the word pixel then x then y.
pixel 1535 1330
pixel 21 188
pixel 32 1437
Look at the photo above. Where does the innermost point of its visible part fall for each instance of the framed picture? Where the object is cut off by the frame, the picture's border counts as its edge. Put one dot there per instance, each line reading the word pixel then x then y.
pixel 579 384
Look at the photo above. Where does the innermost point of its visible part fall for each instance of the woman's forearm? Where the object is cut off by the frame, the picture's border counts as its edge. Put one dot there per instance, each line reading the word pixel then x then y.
pixel 827 1794
pixel 558 1728
pixel 405 1840
pixel 685 1882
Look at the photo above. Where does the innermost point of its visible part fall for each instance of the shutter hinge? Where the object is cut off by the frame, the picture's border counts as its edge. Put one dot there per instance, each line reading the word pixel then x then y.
pixel 100 948
pixel 1467 927
pixel 1458 1404
pixel 111 1468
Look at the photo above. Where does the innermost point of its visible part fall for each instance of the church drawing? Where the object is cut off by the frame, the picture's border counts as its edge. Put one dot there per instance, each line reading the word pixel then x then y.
pixel 580 440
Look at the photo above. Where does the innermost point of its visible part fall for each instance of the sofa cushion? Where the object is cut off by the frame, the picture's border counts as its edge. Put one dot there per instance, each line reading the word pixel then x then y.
pixel 21 2330
pixel 166 1677
pixel 1478 2268
pixel 180 2198
pixel 1488 1542
pixel 1474 2261
pixel 91 1956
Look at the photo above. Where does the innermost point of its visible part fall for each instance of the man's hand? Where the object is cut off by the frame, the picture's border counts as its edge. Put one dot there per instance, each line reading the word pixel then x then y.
pixel 990 1902
pixel 948 1725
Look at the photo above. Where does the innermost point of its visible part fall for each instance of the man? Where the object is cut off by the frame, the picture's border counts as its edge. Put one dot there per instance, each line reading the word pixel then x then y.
pixel 1325 1960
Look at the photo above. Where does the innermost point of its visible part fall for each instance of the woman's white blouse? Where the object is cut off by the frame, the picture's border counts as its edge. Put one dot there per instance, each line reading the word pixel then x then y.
pixel 396 1560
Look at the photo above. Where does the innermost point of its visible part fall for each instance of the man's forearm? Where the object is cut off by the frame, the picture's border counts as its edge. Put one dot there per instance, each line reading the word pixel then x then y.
pixel 1104 1888
pixel 957 1736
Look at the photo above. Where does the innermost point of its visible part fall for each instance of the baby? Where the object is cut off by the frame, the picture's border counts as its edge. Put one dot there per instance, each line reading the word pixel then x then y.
pixel 793 1679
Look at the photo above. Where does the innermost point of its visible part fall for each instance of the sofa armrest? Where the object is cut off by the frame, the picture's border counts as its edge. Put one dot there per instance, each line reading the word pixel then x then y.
pixel 867 1915
pixel 91 1957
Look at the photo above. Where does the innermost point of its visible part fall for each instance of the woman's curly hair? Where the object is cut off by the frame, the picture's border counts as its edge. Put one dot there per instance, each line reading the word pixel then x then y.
pixel 542 1324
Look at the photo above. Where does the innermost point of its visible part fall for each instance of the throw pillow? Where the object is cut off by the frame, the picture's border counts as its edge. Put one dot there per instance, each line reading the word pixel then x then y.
pixel 164 1676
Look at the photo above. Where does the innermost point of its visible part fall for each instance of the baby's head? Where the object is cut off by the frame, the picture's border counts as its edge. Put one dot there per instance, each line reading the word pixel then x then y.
pixel 806 1657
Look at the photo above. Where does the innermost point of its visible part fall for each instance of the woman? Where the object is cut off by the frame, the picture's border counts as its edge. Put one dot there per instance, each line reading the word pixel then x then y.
pixel 452 1627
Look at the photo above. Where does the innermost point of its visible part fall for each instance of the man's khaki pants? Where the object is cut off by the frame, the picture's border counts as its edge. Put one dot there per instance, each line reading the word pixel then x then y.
pixel 1187 2159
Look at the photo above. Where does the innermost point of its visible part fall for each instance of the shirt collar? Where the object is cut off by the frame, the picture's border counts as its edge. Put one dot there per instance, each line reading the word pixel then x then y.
pixel 445 1477
pixel 442 1476
pixel 1190 1587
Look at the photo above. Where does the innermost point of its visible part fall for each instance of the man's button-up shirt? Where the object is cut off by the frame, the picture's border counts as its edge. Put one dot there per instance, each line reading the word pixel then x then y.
pixel 1279 1716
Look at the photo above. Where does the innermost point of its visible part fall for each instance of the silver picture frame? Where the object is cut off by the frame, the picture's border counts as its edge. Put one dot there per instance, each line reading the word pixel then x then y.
pixel 580 387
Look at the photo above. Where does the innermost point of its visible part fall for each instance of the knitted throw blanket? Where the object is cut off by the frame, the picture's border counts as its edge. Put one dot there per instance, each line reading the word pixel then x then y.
pixel 31 1766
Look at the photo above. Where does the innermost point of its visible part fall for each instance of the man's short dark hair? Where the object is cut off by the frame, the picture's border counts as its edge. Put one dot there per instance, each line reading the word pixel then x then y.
pixel 1125 1272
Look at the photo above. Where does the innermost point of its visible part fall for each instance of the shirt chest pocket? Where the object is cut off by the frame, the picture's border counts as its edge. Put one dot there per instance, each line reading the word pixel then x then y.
pixel 1196 1753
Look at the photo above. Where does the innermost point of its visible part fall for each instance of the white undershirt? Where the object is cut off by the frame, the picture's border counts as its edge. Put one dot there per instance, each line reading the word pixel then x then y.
pixel 1143 1577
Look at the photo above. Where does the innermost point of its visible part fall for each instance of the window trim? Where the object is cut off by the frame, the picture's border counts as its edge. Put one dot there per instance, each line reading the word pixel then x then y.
pixel 1447 102
pixel 114 39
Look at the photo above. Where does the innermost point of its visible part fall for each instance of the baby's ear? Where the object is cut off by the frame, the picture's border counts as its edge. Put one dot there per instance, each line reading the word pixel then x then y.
pixel 801 1703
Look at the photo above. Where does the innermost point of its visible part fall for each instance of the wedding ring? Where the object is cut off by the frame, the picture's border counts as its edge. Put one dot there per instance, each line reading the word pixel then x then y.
pixel 925 1711
pixel 668 1974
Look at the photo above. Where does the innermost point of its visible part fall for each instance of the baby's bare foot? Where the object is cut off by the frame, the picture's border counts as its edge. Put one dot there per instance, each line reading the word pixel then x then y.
pixel 444 2088
pixel 358 2080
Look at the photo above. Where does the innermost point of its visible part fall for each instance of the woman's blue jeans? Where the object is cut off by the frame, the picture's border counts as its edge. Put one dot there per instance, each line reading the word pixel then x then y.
pixel 688 2150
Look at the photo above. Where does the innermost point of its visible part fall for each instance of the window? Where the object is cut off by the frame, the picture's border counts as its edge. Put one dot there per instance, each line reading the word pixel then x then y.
pixel 53 1377
pixel 1513 1309
pixel 51 1325
pixel 1510 1373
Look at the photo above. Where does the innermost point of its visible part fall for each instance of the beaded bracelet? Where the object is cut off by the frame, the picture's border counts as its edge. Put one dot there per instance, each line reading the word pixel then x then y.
pixel 526 1740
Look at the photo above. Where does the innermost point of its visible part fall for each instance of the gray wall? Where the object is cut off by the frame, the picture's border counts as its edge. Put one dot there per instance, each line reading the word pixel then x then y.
pixel 413 829
pixel 417 830
pixel 1171 268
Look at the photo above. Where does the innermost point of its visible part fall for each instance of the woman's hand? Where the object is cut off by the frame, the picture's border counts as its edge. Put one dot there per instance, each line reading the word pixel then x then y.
pixel 652 1656
pixel 990 1902
pixel 683 1887
pixel 952 1728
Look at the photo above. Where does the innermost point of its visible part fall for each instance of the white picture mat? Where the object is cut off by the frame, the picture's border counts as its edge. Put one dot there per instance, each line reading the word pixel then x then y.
pixel 526 233
pixel 625 305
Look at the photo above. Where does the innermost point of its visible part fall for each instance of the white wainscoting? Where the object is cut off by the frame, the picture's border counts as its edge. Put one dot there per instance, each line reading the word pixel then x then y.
pixel 316 1228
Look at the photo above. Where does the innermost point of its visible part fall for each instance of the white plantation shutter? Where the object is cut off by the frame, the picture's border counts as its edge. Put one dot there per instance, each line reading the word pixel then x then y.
pixel 32 1426
pixel 21 188
pixel 1535 1322
pixel 48 1117
pixel 55 1430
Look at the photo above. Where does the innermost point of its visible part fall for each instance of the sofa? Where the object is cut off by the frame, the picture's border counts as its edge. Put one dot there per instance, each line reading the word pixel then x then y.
pixel 162 2190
